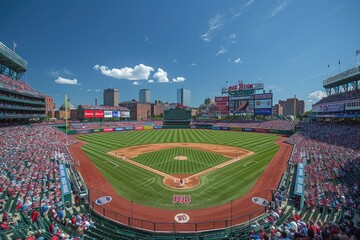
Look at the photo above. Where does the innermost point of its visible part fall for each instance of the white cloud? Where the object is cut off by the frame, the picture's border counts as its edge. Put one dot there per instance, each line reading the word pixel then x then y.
pixel 139 72
pixel 93 90
pixel 61 80
pixel 192 64
pixel 175 60
pixel 249 3
pixel 136 83
pixel 280 8
pixel 161 76
pixel 238 60
pixel 56 73
pixel 151 81
pixel 221 51
pixel 215 24
pixel 231 38
pixel 310 101
pixel 178 79
pixel 317 95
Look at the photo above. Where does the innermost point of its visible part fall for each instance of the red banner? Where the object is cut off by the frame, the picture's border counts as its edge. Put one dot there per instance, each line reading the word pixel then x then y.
pixel 108 129
pixel 139 128
pixel 99 114
pixel 222 108
pixel 221 99
pixel 88 113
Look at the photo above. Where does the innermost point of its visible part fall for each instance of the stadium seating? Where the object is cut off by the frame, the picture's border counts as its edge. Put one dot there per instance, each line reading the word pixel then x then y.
pixel 17 86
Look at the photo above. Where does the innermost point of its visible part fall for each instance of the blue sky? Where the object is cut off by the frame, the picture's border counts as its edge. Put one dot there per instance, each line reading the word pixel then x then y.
pixel 164 45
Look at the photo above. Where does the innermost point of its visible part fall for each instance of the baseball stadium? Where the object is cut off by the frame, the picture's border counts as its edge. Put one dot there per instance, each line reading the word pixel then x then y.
pixel 105 175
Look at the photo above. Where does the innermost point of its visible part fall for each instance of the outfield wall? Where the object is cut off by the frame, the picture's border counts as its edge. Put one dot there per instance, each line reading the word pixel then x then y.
pixel 137 128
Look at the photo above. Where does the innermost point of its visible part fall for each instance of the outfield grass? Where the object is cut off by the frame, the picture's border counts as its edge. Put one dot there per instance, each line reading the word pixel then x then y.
pixel 142 186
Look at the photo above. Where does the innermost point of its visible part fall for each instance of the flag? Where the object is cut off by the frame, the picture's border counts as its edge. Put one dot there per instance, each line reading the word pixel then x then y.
pixel 357 52
pixel 328 65
pixel 339 62
pixel 15 45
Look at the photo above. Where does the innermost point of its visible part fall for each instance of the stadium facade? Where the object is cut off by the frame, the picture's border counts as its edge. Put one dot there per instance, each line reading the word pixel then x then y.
pixel 19 102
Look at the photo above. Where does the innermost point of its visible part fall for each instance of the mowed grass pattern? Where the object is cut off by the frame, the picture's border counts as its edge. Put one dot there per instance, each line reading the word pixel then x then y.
pixel 197 160
pixel 217 187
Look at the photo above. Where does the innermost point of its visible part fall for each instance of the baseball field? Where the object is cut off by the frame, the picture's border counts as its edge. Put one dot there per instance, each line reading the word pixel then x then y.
pixel 217 166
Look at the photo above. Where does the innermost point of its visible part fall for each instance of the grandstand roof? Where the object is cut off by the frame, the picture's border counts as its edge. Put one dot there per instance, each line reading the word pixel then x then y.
pixel 353 74
pixel 70 106
pixel 13 61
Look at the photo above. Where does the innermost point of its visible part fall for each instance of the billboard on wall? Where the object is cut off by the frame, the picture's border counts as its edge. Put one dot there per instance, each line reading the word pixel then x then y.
pixel 116 114
pixel 108 114
pixel 263 103
pixel 88 113
pixel 125 114
pixel 329 107
pixel 99 114
pixel 241 104
pixel 222 105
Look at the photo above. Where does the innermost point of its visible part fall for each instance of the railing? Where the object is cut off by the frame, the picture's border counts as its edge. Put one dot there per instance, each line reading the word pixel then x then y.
pixel 4 50
pixel 126 219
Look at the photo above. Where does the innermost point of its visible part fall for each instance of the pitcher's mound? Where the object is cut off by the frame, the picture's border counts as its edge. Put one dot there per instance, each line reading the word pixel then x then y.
pixel 180 157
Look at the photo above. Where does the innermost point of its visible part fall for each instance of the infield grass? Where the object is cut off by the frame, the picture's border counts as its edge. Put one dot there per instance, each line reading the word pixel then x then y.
pixel 197 160
pixel 217 187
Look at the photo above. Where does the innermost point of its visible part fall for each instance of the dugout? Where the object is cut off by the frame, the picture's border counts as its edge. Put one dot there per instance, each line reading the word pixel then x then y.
pixel 177 116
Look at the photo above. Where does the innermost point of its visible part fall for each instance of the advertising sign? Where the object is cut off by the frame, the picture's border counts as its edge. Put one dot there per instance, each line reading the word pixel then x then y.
pixel 241 106
pixel 116 114
pixel 125 114
pixel 107 114
pixel 139 128
pixel 329 107
pixel 108 129
pixel 99 114
pixel 221 99
pixel 260 201
pixel 119 129
pixel 265 111
pixel 88 113
pixel 264 96
pixel 263 103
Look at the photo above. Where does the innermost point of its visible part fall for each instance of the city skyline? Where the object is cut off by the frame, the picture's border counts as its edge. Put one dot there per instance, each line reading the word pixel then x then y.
pixel 290 46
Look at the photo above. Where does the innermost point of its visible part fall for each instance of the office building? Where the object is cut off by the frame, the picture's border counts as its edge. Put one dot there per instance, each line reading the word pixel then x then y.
pixel 111 97
pixel 184 97
pixel 144 95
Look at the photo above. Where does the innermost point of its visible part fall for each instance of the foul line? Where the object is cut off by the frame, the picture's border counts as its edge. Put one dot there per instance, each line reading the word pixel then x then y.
pixel 248 163
pixel 113 163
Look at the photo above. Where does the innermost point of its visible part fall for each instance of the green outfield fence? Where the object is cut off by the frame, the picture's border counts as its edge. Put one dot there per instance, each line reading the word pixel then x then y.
pixel 125 218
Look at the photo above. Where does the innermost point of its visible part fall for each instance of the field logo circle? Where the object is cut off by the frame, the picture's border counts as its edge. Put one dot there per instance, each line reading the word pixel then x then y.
pixel 103 200
pixel 260 201
pixel 182 218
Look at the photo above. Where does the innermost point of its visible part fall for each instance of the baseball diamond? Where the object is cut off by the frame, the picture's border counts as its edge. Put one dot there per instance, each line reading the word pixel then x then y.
pixel 138 182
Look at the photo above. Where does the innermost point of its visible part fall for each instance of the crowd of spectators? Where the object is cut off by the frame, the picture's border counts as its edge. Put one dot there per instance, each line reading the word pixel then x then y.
pixel 332 157
pixel 29 170
pixel 296 228
pixel 351 95
pixel 17 86
pixel 272 124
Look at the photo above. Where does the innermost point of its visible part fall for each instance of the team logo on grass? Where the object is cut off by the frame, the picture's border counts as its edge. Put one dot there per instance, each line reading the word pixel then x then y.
pixel 183 199
pixel 182 218
pixel 103 200
pixel 260 201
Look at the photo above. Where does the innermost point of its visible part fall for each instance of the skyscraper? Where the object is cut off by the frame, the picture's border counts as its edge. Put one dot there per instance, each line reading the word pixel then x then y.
pixel 184 97
pixel 111 97
pixel 144 95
